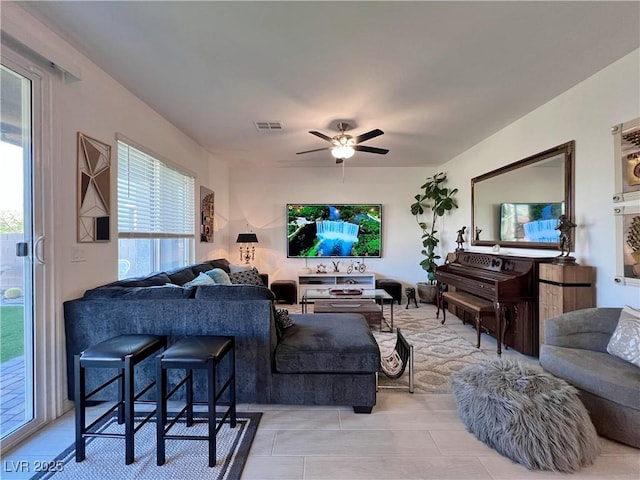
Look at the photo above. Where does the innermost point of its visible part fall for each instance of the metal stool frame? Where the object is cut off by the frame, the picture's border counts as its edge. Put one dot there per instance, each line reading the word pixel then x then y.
pixel 162 427
pixel 125 404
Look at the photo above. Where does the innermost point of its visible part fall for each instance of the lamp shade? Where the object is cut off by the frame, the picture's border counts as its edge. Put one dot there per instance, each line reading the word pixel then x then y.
pixel 247 238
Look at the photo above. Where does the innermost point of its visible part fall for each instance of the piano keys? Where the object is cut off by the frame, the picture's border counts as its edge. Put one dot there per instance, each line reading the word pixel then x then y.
pixel 510 282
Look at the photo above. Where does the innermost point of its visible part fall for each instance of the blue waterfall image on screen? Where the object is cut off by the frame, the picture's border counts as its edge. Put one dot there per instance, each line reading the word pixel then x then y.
pixel 336 238
pixel 541 231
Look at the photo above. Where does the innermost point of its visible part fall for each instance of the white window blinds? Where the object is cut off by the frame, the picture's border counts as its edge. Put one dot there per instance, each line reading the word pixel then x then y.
pixel 154 199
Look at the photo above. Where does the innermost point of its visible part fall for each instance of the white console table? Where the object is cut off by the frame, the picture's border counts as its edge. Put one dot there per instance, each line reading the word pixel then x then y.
pixel 308 281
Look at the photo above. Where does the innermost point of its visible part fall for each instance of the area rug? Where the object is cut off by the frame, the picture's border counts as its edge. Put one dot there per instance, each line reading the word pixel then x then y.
pixel 438 350
pixel 184 459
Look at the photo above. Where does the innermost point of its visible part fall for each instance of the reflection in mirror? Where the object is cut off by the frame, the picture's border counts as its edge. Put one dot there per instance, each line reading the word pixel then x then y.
pixel 518 205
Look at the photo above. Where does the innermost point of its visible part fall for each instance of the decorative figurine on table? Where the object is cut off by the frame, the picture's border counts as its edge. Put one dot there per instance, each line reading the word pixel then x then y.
pixel 478 231
pixel 335 266
pixel 564 241
pixel 321 268
pixel 460 239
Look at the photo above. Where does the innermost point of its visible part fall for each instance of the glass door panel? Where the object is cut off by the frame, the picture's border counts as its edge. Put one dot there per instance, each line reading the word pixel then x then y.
pixel 16 242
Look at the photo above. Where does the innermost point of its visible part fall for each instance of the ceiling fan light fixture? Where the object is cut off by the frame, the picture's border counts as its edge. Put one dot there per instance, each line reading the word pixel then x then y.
pixel 343 151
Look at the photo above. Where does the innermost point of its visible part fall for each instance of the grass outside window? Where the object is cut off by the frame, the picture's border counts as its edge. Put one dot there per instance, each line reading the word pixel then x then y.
pixel 11 332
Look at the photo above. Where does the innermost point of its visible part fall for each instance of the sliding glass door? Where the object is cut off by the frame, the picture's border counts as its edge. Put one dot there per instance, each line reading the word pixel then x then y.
pixel 20 249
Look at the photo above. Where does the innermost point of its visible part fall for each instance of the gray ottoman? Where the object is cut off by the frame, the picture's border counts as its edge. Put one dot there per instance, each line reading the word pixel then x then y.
pixel 527 415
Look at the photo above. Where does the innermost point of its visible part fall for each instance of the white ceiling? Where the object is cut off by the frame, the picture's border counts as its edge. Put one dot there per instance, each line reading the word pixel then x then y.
pixel 437 77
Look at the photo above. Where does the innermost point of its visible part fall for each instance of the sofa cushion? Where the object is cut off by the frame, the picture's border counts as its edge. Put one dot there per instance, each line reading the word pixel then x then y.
pixel 219 276
pixel 247 277
pixel 625 341
pixel 234 292
pixel 598 373
pixel 180 276
pixel 328 343
pixel 136 293
pixel 157 279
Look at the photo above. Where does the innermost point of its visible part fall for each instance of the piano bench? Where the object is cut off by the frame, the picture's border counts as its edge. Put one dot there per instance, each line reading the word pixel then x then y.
pixel 476 306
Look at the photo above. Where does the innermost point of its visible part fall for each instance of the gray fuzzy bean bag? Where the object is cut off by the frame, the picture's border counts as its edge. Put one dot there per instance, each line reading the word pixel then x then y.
pixel 527 415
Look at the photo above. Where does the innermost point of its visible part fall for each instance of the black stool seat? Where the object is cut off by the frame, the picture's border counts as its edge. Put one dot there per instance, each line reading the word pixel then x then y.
pixel 195 350
pixel 392 287
pixel 123 352
pixel 204 352
pixel 139 346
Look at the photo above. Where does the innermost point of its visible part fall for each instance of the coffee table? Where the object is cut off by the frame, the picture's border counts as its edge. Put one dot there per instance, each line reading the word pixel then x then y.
pixel 380 296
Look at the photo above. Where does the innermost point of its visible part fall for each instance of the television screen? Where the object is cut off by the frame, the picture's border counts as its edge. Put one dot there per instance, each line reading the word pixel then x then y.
pixel 334 230
pixel 530 222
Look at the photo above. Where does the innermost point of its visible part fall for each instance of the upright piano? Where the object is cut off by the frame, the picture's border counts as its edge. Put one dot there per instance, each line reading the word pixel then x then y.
pixel 510 282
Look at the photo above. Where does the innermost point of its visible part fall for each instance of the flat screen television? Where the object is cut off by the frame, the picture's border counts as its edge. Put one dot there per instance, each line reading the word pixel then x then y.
pixel 530 222
pixel 334 230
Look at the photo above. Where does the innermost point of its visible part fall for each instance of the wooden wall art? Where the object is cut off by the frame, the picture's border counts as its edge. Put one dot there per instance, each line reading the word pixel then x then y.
pixel 207 207
pixel 94 190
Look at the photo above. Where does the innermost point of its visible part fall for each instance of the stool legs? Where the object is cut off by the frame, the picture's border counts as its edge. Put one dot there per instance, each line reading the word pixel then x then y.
pixel 123 353
pixel 208 362
pixel 80 406
pixel 161 412
pixel 211 368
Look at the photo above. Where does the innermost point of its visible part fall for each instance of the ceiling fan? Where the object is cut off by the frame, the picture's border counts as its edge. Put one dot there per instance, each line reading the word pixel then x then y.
pixel 343 145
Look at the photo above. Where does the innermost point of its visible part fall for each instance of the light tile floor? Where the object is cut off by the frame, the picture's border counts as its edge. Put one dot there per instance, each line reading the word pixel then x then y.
pixel 408 436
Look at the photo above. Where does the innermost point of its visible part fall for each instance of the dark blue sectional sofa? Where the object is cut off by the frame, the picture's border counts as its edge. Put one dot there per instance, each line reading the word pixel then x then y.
pixel 323 359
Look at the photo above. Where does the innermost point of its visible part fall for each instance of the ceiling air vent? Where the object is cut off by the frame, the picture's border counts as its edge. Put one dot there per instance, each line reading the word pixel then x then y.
pixel 268 127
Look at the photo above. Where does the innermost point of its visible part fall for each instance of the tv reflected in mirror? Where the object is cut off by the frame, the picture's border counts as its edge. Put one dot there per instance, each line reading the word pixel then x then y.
pixel 334 230
pixel 530 222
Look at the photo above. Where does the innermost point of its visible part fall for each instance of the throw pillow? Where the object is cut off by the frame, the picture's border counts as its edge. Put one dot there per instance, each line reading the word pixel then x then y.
pixel 240 268
pixel 247 277
pixel 625 341
pixel 282 321
pixel 202 279
pixel 219 276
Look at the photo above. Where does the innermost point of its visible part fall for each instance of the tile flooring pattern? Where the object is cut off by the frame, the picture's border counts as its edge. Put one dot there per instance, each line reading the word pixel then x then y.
pixel 12 395
pixel 408 436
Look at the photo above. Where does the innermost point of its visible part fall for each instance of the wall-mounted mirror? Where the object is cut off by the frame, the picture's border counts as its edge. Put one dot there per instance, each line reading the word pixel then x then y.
pixel 518 205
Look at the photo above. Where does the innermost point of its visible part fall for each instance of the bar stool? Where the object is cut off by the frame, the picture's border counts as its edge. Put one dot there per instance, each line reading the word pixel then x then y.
pixel 191 353
pixel 123 352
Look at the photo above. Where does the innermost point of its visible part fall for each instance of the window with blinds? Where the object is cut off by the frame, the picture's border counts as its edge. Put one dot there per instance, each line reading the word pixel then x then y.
pixel 156 214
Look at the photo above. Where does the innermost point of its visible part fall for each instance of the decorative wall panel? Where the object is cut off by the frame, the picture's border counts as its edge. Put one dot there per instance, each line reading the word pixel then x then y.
pixel 207 208
pixel 94 190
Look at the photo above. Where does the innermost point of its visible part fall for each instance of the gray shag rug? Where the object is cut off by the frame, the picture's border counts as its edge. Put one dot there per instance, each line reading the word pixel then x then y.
pixel 525 414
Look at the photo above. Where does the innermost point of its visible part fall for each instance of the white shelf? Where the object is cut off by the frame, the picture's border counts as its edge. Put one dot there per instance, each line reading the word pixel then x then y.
pixel 311 281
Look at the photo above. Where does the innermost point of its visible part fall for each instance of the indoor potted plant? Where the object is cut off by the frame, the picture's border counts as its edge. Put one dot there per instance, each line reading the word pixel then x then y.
pixel 439 199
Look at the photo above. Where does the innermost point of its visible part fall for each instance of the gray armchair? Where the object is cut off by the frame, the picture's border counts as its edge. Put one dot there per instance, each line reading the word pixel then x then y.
pixel 575 349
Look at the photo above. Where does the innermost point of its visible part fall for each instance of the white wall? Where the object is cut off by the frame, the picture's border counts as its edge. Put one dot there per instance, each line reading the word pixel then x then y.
pixel 259 197
pixel 585 114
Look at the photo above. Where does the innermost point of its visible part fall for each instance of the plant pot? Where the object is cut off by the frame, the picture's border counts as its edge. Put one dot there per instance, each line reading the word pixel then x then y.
pixel 426 292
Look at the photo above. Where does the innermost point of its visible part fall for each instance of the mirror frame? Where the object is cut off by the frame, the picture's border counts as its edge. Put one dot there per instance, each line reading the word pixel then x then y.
pixel 566 149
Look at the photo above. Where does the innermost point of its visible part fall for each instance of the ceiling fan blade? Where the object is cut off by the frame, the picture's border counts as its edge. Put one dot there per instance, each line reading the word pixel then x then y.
pixel 314 150
pixel 366 136
pixel 363 148
pixel 321 135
